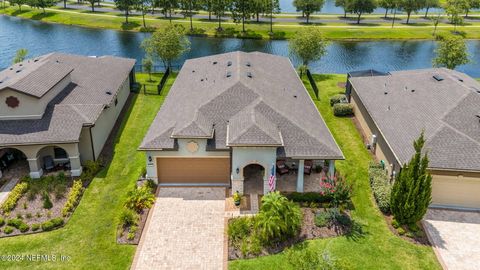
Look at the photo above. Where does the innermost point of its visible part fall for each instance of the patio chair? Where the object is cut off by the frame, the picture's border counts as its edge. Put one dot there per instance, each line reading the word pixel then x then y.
pixel 48 163
pixel 281 167
pixel 307 167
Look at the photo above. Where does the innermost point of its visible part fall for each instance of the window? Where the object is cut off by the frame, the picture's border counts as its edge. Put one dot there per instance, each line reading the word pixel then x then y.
pixel 60 153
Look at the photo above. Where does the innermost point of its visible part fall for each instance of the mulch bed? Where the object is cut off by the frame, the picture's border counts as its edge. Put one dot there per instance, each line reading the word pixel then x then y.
pixel 308 231
pixel 417 239
pixel 244 204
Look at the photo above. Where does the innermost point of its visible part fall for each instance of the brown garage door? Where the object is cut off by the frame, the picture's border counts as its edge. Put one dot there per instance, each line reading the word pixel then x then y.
pixel 193 171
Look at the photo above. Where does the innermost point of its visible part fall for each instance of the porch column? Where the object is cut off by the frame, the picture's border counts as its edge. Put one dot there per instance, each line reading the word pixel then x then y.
pixel 301 167
pixel 75 166
pixel 35 168
pixel 331 169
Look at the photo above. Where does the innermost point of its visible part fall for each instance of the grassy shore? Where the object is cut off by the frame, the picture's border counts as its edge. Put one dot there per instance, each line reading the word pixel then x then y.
pixel 284 30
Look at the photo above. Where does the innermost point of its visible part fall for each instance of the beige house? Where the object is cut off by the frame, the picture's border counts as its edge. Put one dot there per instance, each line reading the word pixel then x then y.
pixel 57 110
pixel 229 119
pixel 392 110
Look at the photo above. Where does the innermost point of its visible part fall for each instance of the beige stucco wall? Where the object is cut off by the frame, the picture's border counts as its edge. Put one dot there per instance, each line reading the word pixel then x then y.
pixel 85 145
pixel 30 107
pixel 456 189
pixel 107 119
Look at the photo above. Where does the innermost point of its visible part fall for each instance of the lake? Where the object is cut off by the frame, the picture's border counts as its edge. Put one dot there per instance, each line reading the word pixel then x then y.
pixel 41 38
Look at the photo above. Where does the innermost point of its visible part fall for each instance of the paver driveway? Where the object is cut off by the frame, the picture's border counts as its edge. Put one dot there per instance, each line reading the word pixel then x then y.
pixel 455 236
pixel 185 231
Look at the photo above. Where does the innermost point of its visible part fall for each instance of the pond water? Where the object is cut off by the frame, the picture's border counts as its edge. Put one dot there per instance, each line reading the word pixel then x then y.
pixel 41 38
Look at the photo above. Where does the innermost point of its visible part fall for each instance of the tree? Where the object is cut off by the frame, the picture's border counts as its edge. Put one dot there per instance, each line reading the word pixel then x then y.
pixel 410 6
pixel 344 4
pixel 430 4
pixel 451 52
pixel 126 6
pixel 272 7
pixel 143 6
pixel 147 64
pixel 412 190
pixel 167 45
pixel 471 4
pixel 92 4
pixel 219 8
pixel 19 3
pixel 207 5
pixel 167 6
pixel 308 7
pixel 188 7
pixel 241 10
pixel 454 8
pixel 387 5
pixel 309 45
pixel 361 6
pixel 20 55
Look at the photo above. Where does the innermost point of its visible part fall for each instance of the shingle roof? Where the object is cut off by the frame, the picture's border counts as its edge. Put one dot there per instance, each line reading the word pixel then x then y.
pixel 79 104
pixel 415 101
pixel 258 96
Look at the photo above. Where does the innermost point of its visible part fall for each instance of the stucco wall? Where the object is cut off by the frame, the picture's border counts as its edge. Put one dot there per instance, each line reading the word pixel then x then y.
pixel 106 121
pixel 29 107
pixel 181 152
pixel 85 145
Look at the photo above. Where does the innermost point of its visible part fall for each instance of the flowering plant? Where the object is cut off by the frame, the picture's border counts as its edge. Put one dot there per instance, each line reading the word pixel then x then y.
pixel 336 188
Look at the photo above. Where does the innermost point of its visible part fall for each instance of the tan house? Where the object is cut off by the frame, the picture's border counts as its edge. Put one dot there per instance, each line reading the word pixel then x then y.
pixel 393 109
pixel 57 110
pixel 229 119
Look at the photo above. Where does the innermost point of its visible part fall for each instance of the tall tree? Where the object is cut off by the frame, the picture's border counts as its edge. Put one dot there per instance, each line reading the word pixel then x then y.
pixel 20 56
pixel 454 8
pixel 167 45
pixel 412 190
pixel 471 4
pixel 430 4
pixel 144 6
pixel 41 4
pixel 125 6
pixel 387 5
pixel 189 7
pixel 410 6
pixel 219 8
pixel 19 3
pixel 240 11
pixel 272 7
pixel 92 4
pixel 147 64
pixel 360 7
pixel 308 44
pixel 207 5
pixel 345 5
pixel 167 7
pixel 308 7
pixel 451 52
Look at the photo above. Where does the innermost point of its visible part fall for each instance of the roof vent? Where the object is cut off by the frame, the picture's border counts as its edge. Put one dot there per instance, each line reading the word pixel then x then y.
pixel 248 64
pixel 413 90
pixel 201 80
pixel 193 71
pixel 229 63
pixel 11 68
pixel 438 77
pixel 295 96
pixel 229 74
pixel 18 71
pixel 36 60
pixel 108 93
pixel 385 93
pixel 249 75
pixel 215 62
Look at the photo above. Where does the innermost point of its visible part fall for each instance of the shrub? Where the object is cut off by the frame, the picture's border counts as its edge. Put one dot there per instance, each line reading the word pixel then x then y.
pixel 401 231
pixel 337 188
pixel 130 236
pixel 24 227
pixel 140 198
pixel 52 224
pixel 239 228
pixel 340 98
pixel 278 218
pixel 19 216
pixel 90 169
pixel 14 196
pixel 322 219
pixel 151 185
pixel 395 224
pixel 35 227
pixel 128 217
pixel 24 205
pixel 308 197
pixel 133 229
pixel 2 221
pixel 303 258
pixel 16 222
pixel 28 215
pixel 8 230
pixel 47 203
pixel 343 109
pixel 381 187
pixel 73 197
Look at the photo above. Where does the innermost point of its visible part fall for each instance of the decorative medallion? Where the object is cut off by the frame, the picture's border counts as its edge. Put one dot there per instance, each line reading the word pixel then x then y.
pixel 12 102
pixel 192 147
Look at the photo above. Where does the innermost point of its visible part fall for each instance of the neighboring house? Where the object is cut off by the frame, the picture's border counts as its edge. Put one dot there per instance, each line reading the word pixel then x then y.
pixel 57 110
pixel 228 111
pixel 394 108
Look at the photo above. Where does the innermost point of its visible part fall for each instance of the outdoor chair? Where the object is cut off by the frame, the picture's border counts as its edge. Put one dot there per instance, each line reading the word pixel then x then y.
pixel 308 166
pixel 48 163
pixel 281 167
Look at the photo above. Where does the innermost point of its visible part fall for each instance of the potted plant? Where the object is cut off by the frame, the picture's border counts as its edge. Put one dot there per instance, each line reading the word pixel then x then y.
pixel 237 198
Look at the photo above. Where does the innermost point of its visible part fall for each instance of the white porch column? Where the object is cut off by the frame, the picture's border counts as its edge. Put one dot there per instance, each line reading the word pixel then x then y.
pixel 75 166
pixel 331 169
pixel 35 168
pixel 301 167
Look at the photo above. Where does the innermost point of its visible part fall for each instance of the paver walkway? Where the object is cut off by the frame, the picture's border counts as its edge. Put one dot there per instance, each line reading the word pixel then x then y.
pixel 455 237
pixel 185 231
pixel 5 190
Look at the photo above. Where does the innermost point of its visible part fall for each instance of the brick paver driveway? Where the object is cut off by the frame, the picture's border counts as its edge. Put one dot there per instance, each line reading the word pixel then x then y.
pixel 455 237
pixel 185 230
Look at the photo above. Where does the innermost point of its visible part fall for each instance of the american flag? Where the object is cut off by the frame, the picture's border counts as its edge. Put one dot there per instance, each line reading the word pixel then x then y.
pixel 271 179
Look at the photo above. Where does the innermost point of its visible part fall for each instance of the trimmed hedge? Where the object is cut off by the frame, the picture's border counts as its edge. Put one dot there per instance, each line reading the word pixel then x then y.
pixel 73 197
pixel 308 197
pixel 343 109
pixel 52 224
pixel 381 187
pixel 340 98
pixel 14 196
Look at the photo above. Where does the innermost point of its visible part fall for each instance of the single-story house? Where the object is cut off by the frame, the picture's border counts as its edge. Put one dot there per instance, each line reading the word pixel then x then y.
pixel 229 113
pixel 58 110
pixel 393 109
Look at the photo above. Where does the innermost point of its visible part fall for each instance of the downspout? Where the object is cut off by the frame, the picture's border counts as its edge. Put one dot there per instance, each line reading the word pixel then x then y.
pixel 91 143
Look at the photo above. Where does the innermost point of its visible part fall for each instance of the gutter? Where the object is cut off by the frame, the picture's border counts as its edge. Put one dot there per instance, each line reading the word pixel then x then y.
pixel 91 142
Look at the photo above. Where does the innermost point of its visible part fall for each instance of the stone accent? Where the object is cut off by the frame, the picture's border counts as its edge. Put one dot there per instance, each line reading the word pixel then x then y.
pixel 237 185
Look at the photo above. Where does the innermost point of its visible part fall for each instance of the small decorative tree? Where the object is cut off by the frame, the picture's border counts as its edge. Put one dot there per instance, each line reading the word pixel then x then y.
pixel 47 203
pixel 412 190
pixel 309 45
pixel 147 64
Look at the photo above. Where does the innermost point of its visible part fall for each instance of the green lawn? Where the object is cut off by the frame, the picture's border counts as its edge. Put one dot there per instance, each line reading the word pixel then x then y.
pixel 89 236
pixel 333 30
pixel 377 248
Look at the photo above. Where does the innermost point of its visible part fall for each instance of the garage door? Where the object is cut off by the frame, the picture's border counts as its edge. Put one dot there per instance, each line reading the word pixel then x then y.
pixel 456 191
pixel 194 171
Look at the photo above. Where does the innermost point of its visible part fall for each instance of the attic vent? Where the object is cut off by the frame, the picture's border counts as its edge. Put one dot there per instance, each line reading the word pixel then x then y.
pixel 18 71
pixel 295 96
pixel 413 90
pixel 248 64
pixel 36 60
pixel 11 68
pixel 385 93
pixel 229 63
pixel 215 62
pixel 438 77
pixel 229 74
pixel 20 64
pixel 249 75
pixel 193 71
pixel 108 93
